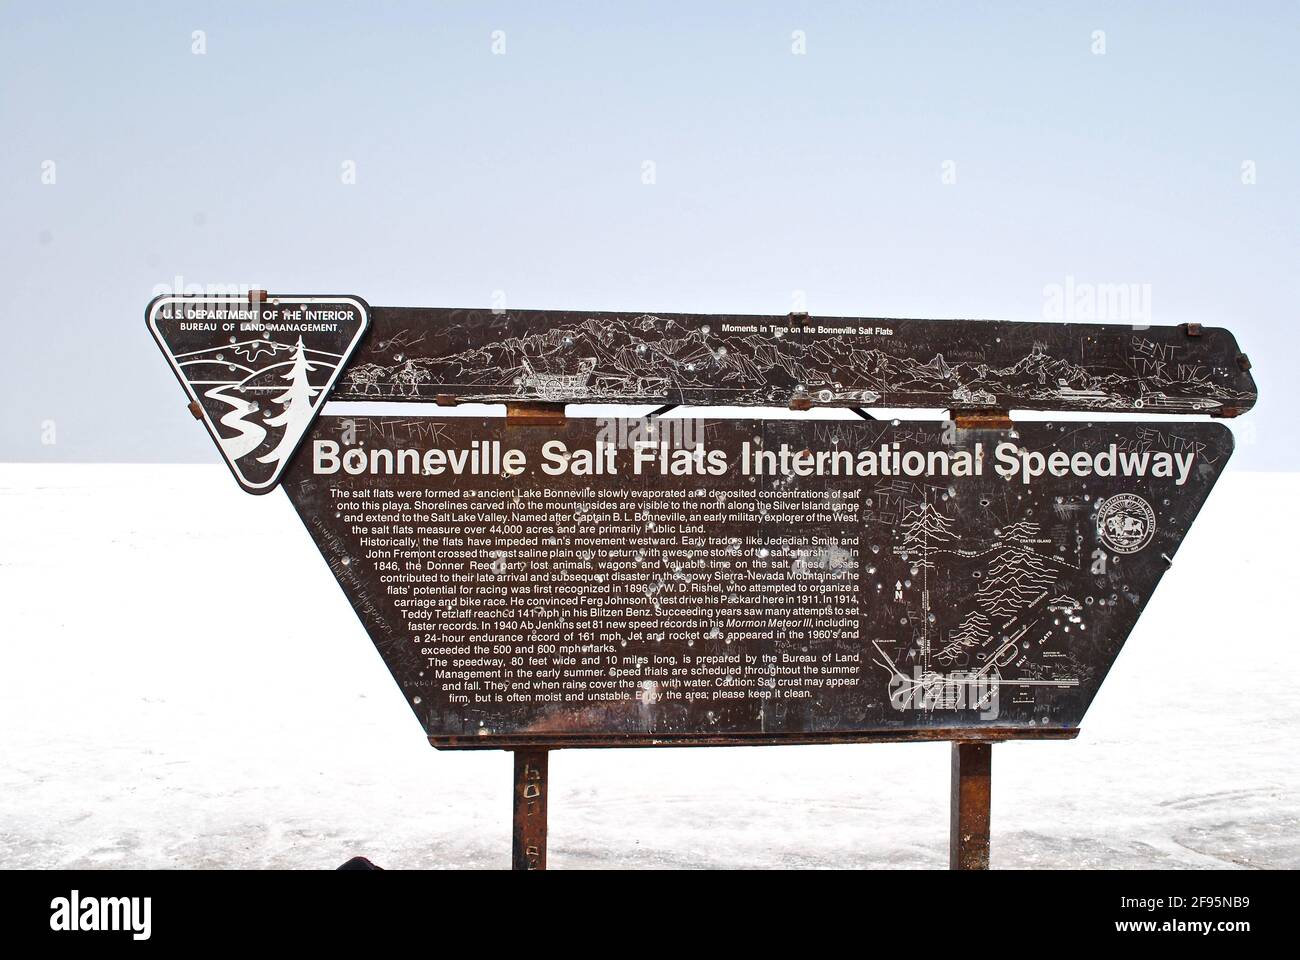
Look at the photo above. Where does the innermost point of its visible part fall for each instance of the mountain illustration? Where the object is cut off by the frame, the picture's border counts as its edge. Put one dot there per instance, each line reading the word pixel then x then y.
pixel 1015 578
pixel 973 631
pixel 923 529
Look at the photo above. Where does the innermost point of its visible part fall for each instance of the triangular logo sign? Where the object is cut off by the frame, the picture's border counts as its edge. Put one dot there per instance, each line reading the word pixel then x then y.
pixel 257 369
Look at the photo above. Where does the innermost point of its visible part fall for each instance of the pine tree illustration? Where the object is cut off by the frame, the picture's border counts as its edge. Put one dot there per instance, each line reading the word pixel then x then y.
pixel 297 411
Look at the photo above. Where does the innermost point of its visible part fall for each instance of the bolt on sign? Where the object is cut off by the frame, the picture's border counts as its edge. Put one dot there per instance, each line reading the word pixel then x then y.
pixel 537 581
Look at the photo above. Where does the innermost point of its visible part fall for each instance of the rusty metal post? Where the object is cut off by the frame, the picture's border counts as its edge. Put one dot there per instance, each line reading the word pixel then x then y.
pixel 972 783
pixel 529 848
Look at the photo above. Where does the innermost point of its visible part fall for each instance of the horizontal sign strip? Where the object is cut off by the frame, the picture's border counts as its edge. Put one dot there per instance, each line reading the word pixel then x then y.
pixel 451 355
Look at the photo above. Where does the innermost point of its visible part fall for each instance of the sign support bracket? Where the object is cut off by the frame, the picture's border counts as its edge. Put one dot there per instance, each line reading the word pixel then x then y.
pixel 981 419
pixel 972 781
pixel 528 849
pixel 536 414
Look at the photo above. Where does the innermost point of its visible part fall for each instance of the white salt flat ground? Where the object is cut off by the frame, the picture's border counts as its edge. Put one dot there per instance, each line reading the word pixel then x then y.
pixel 158 709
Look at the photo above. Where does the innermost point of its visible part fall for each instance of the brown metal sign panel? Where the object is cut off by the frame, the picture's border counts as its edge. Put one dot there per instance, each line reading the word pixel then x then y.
pixel 630 582
pixel 557 356
pixel 257 370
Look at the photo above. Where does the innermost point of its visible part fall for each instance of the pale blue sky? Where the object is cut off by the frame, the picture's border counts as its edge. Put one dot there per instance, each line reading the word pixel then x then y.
pixel 775 173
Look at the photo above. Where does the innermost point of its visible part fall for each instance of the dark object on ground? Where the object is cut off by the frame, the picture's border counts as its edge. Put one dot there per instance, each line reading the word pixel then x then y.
pixel 359 863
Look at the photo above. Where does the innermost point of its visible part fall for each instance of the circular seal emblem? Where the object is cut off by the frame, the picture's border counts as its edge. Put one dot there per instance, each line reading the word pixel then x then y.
pixel 1125 522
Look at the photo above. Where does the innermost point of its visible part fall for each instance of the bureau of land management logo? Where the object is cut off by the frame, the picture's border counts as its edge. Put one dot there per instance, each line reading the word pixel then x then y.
pixel 1125 522
pixel 257 370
